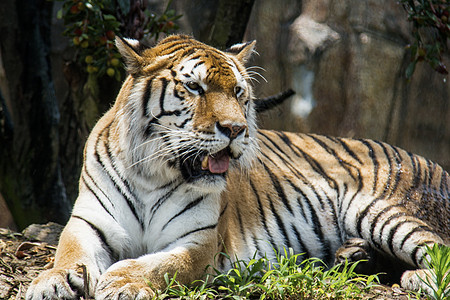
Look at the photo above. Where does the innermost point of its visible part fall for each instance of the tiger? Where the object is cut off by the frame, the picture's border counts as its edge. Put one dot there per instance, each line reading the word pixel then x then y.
pixel 177 178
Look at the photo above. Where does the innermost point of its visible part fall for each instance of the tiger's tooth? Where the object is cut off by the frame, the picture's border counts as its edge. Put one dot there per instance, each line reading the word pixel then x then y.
pixel 205 163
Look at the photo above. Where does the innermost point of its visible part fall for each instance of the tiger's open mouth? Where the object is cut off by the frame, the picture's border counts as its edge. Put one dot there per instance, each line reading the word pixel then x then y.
pixel 195 166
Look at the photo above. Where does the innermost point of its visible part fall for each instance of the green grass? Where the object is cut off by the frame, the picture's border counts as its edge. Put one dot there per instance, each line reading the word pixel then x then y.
pixel 287 278
pixel 439 265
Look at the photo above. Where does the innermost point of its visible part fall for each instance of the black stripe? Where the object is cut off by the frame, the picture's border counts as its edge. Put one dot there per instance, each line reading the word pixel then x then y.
pixel 302 194
pixel 364 213
pixel 416 249
pixel 149 127
pixel 174 47
pixel 314 221
pixel 213 226
pixel 317 228
pixel 166 185
pixel 347 166
pixel 416 229
pixel 185 209
pixel 188 233
pixel 348 150
pixel 393 230
pixel 383 195
pixel 99 159
pixel 184 123
pixel 223 210
pixel 386 188
pixel 375 222
pixel 388 183
pixel 278 188
pixel 177 95
pixel 86 172
pixel 261 212
pixel 255 242
pixel 199 63
pixel 83 179
pixel 241 225
pixel 374 162
pixel 113 165
pixel 146 97
pixel 161 200
pixel 417 170
pixel 398 161
pixel 286 162
pixel 339 201
pixel 195 57
pixel 294 170
pixel 317 167
pixel 100 234
pixel 359 178
pixel 280 225
pixel 165 196
pixel 286 141
pixel 163 95
pixel 303 247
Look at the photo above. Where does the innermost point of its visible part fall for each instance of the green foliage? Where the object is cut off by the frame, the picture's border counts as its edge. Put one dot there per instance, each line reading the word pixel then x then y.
pixel 92 25
pixel 439 265
pixel 287 277
pixel 431 30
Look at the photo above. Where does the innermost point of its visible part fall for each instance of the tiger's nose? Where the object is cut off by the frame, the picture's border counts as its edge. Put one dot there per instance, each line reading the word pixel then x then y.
pixel 231 130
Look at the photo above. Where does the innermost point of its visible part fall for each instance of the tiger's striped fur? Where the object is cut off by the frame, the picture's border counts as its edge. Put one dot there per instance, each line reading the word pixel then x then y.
pixel 177 172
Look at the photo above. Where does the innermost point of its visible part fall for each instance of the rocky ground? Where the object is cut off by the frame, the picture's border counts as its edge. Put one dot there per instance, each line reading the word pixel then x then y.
pixel 24 255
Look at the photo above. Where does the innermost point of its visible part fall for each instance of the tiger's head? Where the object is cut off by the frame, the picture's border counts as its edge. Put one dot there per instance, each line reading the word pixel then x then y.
pixel 187 110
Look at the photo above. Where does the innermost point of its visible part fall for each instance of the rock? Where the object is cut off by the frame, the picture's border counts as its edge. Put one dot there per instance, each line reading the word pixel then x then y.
pixel 48 233
pixel 307 37
pixel 6 219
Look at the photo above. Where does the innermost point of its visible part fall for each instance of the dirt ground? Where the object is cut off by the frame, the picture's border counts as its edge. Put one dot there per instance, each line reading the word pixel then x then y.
pixel 24 255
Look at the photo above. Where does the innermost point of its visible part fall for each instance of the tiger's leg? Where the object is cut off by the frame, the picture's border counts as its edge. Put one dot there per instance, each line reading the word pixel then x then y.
pixel 140 278
pixel 393 231
pixel 79 246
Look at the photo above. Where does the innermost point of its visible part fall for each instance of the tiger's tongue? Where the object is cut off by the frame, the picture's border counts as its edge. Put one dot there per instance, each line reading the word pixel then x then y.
pixel 216 164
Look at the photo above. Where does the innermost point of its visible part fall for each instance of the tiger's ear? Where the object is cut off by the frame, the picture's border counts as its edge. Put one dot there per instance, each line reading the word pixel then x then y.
pixel 130 50
pixel 242 51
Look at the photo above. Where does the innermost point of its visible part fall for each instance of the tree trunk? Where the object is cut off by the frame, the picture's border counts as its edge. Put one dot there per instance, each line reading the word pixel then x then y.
pixel 30 171
pixel 230 22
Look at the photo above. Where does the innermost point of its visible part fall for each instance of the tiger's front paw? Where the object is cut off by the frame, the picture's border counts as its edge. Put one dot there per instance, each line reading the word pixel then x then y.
pixel 58 284
pixel 124 280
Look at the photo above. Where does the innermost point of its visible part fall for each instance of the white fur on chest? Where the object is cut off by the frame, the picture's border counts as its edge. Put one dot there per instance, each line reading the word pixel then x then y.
pixel 171 218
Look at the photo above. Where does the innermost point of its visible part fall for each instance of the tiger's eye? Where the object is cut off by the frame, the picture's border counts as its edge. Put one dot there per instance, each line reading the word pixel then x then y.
pixel 194 87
